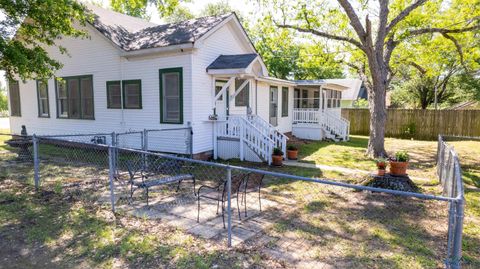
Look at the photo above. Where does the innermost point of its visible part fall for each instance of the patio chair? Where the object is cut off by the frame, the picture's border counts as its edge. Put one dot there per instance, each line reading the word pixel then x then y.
pixel 253 182
pixel 219 193
pixel 145 178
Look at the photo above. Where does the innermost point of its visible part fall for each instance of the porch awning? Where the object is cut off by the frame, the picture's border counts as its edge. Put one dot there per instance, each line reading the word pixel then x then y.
pixel 238 64
pixel 321 82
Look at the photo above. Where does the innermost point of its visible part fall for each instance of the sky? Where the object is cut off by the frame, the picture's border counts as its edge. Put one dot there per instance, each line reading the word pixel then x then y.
pixel 247 8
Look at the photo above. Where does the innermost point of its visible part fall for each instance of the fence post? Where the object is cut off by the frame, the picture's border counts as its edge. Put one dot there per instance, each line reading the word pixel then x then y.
pixel 36 172
pixel 457 235
pixel 229 205
pixel 111 173
pixel 114 155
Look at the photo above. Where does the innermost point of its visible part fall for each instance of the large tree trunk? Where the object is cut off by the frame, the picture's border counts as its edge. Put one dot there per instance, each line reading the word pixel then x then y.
pixel 377 105
pixel 378 119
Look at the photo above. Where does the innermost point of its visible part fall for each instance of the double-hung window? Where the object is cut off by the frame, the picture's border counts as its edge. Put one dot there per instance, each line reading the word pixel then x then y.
pixel 284 101
pixel 114 94
pixel 75 97
pixel 130 92
pixel 14 95
pixel 171 95
pixel 42 96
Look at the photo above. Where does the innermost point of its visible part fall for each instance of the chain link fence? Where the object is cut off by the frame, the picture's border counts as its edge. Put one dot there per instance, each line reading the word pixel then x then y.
pixel 224 202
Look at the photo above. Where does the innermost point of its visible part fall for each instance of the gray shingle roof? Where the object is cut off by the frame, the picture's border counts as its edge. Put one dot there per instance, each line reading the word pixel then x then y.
pixel 131 33
pixel 233 61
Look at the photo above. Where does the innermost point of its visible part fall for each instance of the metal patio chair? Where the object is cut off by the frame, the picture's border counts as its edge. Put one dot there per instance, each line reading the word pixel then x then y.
pixel 219 193
pixel 165 172
pixel 253 182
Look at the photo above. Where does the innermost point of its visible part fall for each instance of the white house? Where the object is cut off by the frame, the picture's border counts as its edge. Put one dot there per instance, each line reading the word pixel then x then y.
pixel 131 74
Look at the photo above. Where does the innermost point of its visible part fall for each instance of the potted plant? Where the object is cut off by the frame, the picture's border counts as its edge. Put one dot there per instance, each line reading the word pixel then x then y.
pixel 381 165
pixel 277 157
pixel 399 163
pixel 292 152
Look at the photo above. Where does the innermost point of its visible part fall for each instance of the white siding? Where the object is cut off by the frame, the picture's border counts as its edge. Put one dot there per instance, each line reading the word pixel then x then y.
pixel 98 57
pixel 223 41
pixel 263 105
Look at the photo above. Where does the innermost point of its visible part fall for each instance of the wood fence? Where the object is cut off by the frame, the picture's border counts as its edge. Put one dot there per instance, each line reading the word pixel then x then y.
pixel 418 123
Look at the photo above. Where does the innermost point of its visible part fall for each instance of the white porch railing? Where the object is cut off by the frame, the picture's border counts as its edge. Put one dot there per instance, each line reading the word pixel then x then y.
pixel 307 115
pixel 279 139
pixel 239 127
pixel 331 121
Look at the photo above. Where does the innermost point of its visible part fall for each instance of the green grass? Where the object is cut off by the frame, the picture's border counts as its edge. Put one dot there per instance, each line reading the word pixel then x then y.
pixel 356 229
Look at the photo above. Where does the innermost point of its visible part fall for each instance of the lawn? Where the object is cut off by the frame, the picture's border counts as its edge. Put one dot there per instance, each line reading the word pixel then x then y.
pixel 65 226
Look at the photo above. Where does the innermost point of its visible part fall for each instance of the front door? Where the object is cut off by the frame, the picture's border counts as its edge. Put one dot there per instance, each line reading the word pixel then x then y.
pixel 221 105
pixel 273 106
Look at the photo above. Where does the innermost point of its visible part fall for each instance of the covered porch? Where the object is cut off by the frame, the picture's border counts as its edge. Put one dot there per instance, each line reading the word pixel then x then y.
pixel 317 112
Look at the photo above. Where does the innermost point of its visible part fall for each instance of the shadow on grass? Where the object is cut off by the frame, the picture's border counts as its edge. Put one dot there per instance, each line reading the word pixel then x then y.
pixel 376 231
pixel 56 231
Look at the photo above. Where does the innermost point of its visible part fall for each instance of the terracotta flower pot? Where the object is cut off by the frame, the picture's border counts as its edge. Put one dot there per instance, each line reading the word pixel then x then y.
pixel 277 160
pixel 292 154
pixel 381 172
pixel 398 168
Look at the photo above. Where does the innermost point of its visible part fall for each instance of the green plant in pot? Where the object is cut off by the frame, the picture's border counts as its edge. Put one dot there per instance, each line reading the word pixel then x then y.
pixel 277 157
pixel 399 163
pixel 381 165
pixel 292 152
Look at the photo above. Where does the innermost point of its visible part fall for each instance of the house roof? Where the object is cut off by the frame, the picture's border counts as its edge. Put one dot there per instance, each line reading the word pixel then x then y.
pixel 321 82
pixel 130 33
pixel 354 87
pixel 233 61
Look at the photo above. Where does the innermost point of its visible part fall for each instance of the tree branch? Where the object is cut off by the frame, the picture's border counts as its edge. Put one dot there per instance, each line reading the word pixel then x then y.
pixel 418 67
pixel 382 32
pixel 354 20
pixel 459 49
pixel 404 14
pixel 323 34
pixel 418 32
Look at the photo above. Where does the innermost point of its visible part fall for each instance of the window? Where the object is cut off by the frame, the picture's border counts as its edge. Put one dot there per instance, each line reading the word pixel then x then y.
pixel 242 98
pixel 284 101
pixel 304 98
pixel 114 94
pixel 171 95
pixel 132 94
pixel 42 96
pixel 296 97
pixel 75 97
pixel 218 87
pixel 14 94
pixel 316 99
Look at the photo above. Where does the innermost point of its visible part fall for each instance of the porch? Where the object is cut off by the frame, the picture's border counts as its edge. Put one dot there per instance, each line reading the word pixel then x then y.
pixel 317 112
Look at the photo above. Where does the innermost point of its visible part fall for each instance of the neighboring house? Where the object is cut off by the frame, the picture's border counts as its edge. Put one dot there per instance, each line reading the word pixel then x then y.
pixel 355 90
pixel 131 74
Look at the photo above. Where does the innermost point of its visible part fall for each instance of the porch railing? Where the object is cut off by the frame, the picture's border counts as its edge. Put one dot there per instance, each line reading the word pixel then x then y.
pixel 307 115
pixel 239 127
pixel 330 120
pixel 279 139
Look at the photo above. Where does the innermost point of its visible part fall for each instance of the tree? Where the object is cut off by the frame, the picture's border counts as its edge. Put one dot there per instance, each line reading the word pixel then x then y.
pixel 138 8
pixel 285 56
pixel 374 31
pixel 179 14
pixel 3 98
pixel 29 26
pixel 218 8
pixel 429 67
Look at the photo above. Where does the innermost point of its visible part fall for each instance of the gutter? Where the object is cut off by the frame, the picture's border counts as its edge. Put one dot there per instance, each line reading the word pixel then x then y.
pixel 150 51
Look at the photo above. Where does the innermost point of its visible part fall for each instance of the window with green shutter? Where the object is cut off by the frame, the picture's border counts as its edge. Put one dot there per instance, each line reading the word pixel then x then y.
pixel 42 96
pixel 75 98
pixel 14 96
pixel 171 95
